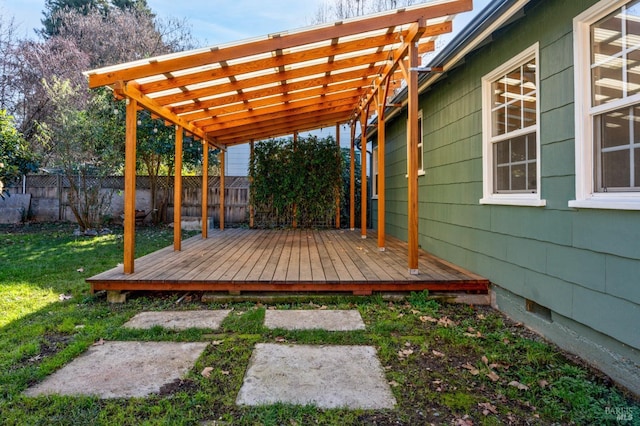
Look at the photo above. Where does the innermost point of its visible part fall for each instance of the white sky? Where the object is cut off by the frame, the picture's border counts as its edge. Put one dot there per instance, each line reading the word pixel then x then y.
pixel 212 21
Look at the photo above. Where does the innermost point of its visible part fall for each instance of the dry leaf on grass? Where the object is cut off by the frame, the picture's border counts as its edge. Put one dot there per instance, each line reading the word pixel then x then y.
pixel 225 372
pixel 485 360
pixel 438 354
pixel 493 376
pixel 427 318
pixel 80 270
pixel 405 353
pixel 394 384
pixel 99 342
pixel 217 342
pixel 487 408
pixel 518 385
pixel 543 383
pixel 474 371
pixel 446 322
pixel 206 372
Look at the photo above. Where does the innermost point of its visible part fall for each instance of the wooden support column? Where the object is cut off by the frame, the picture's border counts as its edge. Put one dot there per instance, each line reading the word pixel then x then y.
pixel 252 213
pixel 412 141
pixel 205 190
pixel 338 192
pixel 177 192
pixel 352 183
pixel 363 171
pixel 382 100
pixel 130 186
pixel 222 208
pixel 294 225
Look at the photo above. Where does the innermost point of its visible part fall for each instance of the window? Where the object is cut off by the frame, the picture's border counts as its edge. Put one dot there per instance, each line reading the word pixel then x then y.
pixel 607 79
pixel 421 171
pixel 374 173
pixel 511 168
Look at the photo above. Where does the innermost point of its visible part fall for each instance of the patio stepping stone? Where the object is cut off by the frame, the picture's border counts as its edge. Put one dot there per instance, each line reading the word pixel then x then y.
pixel 122 370
pixel 324 376
pixel 331 320
pixel 178 320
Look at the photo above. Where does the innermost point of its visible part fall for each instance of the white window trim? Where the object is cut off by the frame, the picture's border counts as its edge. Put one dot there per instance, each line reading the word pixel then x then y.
pixel 421 171
pixel 586 195
pixel 488 197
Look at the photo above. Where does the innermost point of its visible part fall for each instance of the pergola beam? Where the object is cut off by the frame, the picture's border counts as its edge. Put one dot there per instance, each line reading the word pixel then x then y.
pixel 286 111
pixel 129 91
pixel 283 128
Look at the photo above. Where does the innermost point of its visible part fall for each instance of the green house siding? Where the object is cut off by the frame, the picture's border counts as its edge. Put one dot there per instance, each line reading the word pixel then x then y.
pixel 583 265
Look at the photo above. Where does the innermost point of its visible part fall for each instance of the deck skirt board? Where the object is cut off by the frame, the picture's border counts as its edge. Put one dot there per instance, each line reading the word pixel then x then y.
pixel 295 260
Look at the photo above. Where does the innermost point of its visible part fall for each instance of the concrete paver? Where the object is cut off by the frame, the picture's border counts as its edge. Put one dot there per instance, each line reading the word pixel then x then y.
pixel 178 320
pixel 332 320
pixel 324 376
pixel 122 370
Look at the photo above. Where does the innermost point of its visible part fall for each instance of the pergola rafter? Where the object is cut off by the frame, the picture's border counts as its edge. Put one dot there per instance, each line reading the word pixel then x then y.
pixel 281 84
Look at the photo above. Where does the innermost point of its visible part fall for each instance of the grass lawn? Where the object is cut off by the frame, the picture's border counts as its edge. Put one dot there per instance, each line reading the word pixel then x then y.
pixel 446 364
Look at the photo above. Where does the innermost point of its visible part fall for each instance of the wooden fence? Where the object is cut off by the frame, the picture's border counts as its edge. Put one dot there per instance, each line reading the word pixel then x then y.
pixel 49 196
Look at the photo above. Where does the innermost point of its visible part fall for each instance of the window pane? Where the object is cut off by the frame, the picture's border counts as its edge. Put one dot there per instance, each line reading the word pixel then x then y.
pixel 606 36
pixel 502 152
pixel 614 129
pixel 607 82
pixel 519 149
pixel 529 76
pixel 532 177
pixel 531 147
pixel 519 177
pixel 497 88
pixel 513 117
pixel 636 124
pixel 513 82
pixel 633 72
pixel 632 17
pixel 636 167
pixel 615 169
pixel 502 179
pixel 499 121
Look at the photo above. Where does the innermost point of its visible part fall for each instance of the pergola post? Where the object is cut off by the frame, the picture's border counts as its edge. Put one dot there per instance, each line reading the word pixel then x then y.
pixel 338 191
pixel 252 213
pixel 382 98
pixel 412 160
pixel 177 193
pixel 130 186
pixel 363 182
pixel 205 190
pixel 222 208
pixel 294 224
pixel 352 182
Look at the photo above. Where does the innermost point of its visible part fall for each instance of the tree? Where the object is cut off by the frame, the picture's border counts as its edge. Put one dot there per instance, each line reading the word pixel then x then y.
pixel 84 129
pixel 54 9
pixel 332 10
pixel 15 157
pixel 122 35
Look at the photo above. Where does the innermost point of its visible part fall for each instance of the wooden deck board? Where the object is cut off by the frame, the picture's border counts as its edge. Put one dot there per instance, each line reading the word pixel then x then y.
pixel 238 260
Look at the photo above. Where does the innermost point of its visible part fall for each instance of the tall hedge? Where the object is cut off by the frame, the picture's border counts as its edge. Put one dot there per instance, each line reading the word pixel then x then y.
pixel 296 181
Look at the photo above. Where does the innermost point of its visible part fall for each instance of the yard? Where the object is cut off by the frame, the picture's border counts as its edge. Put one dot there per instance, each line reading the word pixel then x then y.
pixel 446 364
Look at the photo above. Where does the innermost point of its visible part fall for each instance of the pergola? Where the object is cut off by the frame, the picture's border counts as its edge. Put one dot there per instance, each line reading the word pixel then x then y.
pixel 282 84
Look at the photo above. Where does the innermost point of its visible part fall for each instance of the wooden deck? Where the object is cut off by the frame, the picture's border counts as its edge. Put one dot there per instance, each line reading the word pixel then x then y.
pixel 242 260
